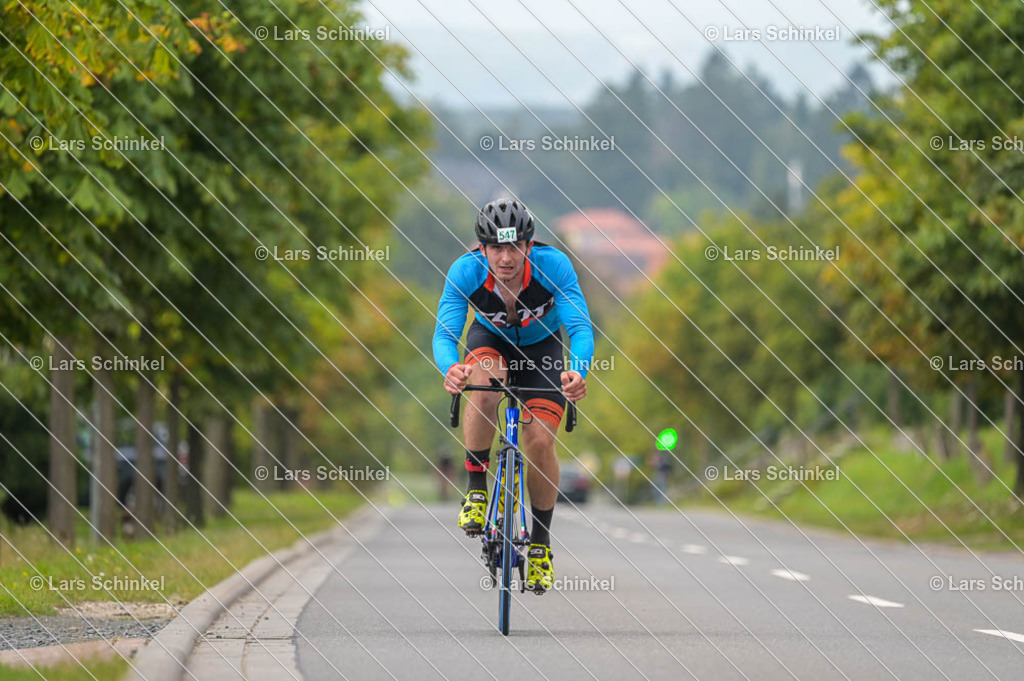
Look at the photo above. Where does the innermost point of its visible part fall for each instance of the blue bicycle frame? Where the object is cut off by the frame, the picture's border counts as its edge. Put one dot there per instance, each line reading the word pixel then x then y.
pixel 501 537
pixel 510 445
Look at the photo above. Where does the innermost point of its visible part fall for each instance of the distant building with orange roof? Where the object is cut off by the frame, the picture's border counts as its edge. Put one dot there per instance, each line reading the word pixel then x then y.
pixel 605 240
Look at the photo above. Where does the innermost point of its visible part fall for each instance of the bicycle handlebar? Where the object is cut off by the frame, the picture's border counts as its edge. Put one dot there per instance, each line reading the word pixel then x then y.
pixel 497 386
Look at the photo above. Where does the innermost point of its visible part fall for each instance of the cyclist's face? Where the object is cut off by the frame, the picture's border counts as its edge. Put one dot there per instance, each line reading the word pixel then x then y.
pixel 507 260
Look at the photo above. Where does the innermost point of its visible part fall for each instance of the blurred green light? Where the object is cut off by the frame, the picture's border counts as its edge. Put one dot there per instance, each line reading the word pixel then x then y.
pixel 667 438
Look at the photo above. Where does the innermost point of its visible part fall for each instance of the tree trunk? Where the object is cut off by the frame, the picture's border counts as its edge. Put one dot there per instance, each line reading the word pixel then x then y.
pixel 193 497
pixel 951 443
pixel 214 467
pixel 941 439
pixel 63 465
pixel 978 457
pixel 104 499
pixel 262 465
pixel 289 454
pixel 172 473
pixel 1018 486
pixel 1010 408
pixel 229 459
pixel 145 464
pixel 893 400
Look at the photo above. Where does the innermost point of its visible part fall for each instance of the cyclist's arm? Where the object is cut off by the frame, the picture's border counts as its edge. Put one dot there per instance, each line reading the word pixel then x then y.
pixel 575 316
pixel 451 316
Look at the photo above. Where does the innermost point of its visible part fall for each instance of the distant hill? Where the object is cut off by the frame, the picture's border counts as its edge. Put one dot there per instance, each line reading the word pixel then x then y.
pixel 675 151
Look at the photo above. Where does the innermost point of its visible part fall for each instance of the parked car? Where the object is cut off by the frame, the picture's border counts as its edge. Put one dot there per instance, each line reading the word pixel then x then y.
pixel 573 483
pixel 126 462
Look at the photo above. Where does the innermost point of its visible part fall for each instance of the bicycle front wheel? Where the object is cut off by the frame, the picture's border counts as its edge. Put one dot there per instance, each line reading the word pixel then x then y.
pixel 508 549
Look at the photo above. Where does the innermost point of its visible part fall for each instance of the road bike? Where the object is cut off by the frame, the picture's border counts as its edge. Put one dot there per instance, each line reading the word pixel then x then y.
pixel 504 536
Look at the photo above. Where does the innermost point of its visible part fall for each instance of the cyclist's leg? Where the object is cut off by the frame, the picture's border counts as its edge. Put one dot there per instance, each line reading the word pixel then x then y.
pixel 543 414
pixel 538 444
pixel 485 358
pixel 542 480
pixel 486 355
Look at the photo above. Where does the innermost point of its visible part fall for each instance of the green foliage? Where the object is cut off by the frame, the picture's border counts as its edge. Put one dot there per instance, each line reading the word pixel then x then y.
pixel 283 144
pixel 729 344
pixel 749 349
pixel 375 373
pixel 960 211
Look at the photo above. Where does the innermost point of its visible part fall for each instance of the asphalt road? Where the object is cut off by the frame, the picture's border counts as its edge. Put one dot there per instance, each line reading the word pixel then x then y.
pixel 654 594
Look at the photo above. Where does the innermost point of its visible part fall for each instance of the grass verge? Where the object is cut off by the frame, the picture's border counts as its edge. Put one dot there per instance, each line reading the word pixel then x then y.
pixel 98 670
pixel 984 515
pixel 182 565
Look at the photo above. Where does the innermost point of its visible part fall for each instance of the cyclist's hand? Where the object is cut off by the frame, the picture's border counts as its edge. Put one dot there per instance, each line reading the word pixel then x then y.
pixel 573 386
pixel 456 378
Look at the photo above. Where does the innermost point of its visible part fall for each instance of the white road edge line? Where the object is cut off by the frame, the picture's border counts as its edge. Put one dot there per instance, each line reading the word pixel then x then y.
pixel 791 575
pixel 1005 634
pixel 877 602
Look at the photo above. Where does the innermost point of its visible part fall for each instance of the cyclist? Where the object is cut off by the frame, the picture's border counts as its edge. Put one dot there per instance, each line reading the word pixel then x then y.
pixel 522 292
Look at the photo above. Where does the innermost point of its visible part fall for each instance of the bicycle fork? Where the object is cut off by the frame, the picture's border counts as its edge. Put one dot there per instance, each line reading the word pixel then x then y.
pixel 509 455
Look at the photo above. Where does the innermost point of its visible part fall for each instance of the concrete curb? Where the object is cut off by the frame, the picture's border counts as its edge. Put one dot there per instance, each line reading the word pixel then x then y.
pixel 165 657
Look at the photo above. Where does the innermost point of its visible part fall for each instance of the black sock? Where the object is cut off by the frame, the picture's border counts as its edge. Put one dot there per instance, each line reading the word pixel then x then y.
pixel 476 464
pixel 541 532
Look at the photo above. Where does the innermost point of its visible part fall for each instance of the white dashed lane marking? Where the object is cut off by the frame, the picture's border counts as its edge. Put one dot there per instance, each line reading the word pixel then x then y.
pixel 877 602
pixel 781 573
pixel 1004 634
pixel 791 575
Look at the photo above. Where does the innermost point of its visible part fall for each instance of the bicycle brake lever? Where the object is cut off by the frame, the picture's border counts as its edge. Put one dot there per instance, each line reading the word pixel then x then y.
pixel 570 417
pixel 454 413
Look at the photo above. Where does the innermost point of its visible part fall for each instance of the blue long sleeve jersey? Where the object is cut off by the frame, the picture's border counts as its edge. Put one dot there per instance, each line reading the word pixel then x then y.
pixel 550 297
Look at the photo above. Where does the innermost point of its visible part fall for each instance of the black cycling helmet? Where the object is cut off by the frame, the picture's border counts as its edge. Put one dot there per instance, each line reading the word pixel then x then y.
pixel 504 221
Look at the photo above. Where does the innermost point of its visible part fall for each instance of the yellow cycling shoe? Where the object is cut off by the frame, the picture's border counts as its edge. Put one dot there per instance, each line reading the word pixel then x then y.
pixel 540 574
pixel 473 515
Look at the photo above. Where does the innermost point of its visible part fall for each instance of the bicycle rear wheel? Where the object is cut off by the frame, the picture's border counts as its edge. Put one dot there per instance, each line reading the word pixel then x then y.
pixel 508 549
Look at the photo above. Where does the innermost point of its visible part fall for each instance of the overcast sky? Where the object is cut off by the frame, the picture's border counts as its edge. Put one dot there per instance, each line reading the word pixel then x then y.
pixel 472 45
